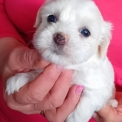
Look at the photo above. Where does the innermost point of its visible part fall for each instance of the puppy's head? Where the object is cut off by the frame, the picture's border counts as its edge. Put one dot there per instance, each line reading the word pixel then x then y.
pixel 71 31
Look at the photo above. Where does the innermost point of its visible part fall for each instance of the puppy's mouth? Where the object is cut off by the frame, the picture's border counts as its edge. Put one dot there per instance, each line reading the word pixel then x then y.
pixel 57 52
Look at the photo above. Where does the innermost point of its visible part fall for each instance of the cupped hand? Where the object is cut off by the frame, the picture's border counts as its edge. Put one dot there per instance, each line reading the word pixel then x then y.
pixel 111 114
pixel 51 91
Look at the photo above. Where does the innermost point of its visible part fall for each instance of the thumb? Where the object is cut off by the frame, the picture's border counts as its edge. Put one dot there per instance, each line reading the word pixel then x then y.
pixel 106 113
pixel 27 58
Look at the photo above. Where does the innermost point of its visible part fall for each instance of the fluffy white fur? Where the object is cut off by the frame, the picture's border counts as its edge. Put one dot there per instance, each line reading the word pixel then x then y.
pixel 85 55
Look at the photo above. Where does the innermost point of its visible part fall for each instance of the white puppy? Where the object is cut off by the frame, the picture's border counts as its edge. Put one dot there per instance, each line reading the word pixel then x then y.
pixel 72 33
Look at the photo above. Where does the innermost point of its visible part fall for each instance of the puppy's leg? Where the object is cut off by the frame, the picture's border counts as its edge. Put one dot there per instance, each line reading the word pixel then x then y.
pixel 113 102
pixel 16 82
pixel 84 110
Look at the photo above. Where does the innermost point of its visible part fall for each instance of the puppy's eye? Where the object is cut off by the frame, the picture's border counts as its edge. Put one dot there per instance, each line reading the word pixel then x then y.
pixel 52 18
pixel 85 32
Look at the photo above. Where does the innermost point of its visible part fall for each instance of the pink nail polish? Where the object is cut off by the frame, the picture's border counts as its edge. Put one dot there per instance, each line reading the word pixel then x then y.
pixel 79 90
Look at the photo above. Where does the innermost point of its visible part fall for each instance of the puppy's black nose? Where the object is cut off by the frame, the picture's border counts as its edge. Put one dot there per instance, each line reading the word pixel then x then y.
pixel 60 39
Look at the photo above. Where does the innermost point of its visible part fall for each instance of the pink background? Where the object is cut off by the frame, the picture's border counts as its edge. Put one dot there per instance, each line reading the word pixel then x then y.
pixel 111 11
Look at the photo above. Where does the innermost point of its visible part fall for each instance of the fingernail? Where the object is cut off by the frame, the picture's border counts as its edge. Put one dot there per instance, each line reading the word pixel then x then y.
pixel 79 90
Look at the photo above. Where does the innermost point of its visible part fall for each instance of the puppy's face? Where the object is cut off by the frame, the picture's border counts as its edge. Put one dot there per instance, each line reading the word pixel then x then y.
pixel 71 31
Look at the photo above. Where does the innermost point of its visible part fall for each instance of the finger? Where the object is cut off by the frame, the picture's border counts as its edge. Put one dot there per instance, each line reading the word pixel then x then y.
pixel 111 110
pixel 105 110
pixel 59 91
pixel 68 106
pixel 32 59
pixel 56 96
pixel 24 108
pixel 27 59
pixel 41 64
pixel 71 102
pixel 36 91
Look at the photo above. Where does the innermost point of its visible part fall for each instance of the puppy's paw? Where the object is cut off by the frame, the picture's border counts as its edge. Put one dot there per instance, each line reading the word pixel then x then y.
pixel 75 118
pixel 113 103
pixel 16 82
pixel 70 119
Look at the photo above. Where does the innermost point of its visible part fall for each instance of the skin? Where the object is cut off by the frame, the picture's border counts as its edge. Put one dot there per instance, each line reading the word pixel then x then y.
pixel 110 114
pixel 42 94
pixel 45 93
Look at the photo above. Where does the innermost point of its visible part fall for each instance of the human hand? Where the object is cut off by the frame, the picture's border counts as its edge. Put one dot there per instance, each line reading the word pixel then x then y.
pixel 110 114
pixel 47 94
pixel 51 94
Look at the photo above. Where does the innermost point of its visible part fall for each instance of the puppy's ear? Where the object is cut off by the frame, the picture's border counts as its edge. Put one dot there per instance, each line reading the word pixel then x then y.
pixel 38 19
pixel 104 39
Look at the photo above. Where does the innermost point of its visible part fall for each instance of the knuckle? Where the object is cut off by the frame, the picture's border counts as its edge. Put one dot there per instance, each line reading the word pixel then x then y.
pixel 58 119
pixel 34 96
pixel 55 102
pixel 51 78
pixel 28 57
pixel 30 109
pixel 52 105
pixel 58 102
pixel 33 108
pixel 67 76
